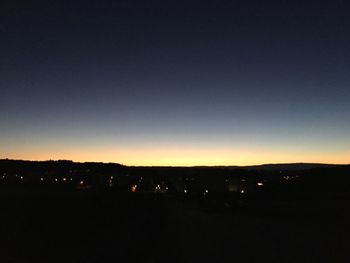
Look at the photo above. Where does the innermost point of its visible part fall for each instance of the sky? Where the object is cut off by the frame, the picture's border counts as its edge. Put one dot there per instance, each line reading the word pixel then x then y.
pixel 175 82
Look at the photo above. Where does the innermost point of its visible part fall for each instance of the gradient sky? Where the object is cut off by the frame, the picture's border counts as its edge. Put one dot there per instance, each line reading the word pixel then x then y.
pixel 175 82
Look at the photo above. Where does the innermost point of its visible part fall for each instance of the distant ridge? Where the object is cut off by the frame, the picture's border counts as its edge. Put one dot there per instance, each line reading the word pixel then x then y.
pixel 56 161
pixel 265 167
pixel 290 166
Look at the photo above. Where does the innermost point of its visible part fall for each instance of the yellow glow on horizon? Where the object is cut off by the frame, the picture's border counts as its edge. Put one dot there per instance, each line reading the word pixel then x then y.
pixel 179 156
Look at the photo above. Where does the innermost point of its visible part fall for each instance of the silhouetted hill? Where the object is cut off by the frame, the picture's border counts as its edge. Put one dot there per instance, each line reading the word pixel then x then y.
pixel 55 163
pixel 68 164
pixel 290 166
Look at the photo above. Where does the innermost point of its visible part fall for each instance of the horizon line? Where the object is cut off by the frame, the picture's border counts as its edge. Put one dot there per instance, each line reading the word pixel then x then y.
pixel 189 166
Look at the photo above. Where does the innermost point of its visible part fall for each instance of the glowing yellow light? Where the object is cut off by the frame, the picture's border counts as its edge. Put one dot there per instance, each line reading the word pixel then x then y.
pixel 260 184
pixel 177 155
pixel 133 188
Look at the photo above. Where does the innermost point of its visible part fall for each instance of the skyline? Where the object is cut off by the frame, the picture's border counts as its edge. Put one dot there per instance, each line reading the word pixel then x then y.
pixel 176 82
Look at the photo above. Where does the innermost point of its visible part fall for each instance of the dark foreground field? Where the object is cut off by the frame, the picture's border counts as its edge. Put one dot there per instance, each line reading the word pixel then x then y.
pixel 81 227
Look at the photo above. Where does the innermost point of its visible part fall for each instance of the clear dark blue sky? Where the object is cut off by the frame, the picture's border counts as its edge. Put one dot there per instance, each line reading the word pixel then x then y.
pixel 175 82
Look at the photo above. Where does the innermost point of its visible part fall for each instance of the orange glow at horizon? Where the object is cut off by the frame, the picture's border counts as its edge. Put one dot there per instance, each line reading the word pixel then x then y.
pixel 177 156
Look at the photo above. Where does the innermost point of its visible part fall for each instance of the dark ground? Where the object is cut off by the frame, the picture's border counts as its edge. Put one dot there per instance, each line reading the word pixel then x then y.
pixel 81 227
